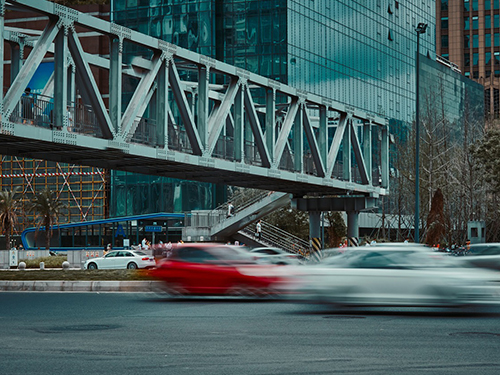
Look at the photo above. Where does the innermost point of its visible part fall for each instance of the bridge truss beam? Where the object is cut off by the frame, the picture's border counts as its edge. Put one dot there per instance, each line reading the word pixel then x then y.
pixel 189 116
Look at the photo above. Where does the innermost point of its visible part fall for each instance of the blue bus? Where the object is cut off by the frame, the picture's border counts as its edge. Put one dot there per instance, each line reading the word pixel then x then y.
pixel 120 232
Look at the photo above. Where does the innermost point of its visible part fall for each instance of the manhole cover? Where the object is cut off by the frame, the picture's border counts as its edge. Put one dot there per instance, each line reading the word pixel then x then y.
pixel 474 334
pixel 343 317
pixel 79 327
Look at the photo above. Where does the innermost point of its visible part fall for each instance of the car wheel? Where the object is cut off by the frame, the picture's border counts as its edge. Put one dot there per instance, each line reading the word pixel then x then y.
pixel 131 266
pixel 92 266
pixel 244 291
pixel 174 289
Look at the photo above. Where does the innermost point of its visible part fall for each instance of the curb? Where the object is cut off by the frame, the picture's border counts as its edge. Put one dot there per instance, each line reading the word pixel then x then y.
pixel 80 286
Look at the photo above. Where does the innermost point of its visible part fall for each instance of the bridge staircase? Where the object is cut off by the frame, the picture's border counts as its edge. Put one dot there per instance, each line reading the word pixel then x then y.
pixel 250 206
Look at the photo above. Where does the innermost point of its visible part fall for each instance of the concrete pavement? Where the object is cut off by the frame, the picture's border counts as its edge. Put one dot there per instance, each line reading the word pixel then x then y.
pixel 80 286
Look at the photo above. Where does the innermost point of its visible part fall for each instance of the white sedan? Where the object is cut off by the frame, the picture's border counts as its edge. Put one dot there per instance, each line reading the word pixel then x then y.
pixel 120 259
pixel 397 276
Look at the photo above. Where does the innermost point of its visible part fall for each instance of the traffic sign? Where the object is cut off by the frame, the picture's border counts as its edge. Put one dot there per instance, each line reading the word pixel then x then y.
pixel 153 228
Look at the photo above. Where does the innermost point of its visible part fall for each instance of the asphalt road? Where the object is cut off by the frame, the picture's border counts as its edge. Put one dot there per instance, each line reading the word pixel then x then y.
pixel 128 333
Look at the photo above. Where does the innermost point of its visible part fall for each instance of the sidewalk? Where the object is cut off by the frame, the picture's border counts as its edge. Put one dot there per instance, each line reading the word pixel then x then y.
pixel 80 286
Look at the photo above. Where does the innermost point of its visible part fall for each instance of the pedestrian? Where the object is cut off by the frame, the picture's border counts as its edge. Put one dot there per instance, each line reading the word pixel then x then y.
pixel 144 244
pixel 258 230
pixel 27 104
pixel 230 210
pixel 70 125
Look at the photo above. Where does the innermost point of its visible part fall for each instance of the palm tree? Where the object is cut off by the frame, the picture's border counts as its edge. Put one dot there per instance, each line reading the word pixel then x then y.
pixel 47 207
pixel 8 217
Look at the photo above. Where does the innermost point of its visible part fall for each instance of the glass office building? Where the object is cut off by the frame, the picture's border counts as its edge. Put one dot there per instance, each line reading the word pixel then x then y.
pixel 359 52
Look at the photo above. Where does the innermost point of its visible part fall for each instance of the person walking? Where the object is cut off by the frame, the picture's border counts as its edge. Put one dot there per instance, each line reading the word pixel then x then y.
pixel 230 210
pixel 258 230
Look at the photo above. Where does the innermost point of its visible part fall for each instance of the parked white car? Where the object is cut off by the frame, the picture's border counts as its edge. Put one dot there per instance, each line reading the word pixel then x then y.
pixel 121 259
pixel 397 276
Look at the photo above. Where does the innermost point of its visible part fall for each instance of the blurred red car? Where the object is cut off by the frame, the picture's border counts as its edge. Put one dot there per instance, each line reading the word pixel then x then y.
pixel 217 269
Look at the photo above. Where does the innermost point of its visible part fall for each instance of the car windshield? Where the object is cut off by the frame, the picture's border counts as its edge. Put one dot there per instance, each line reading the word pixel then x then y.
pixel 111 254
pixel 230 253
pixel 484 249
pixel 212 255
pixel 388 259
pixel 139 253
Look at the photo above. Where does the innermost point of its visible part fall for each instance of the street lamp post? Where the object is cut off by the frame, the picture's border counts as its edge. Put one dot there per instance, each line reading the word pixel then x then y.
pixel 421 27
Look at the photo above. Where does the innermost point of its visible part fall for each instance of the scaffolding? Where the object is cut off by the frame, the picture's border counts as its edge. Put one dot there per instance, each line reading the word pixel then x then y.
pixel 84 190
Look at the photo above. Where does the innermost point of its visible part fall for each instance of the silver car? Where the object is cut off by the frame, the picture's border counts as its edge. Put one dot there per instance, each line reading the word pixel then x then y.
pixel 484 255
pixel 397 276
pixel 121 259
pixel 274 255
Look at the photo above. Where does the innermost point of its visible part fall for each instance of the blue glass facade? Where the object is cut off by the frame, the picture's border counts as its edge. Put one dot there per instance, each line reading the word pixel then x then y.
pixel 360 52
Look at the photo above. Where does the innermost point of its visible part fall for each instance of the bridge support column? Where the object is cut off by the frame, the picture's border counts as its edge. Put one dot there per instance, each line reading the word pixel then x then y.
pixel 350 204
pixel 353 228
pixel 315 234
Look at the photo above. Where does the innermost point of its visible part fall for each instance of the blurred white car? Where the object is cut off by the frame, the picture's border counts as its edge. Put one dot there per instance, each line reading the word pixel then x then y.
pixel 394 276
pixel 274 255
pixel 485 255
pixel 121 259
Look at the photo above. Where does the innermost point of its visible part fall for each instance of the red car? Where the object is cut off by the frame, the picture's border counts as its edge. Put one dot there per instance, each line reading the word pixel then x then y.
pixel 217 269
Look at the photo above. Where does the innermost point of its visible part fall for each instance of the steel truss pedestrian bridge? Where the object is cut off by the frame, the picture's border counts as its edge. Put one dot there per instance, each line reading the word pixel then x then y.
pixel 189 116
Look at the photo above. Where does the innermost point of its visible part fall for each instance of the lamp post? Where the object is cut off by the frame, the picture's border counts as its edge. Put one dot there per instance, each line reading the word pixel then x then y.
pixel 420 29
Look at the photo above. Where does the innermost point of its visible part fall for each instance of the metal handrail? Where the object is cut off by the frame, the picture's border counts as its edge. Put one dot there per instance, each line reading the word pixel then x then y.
pixel 277 237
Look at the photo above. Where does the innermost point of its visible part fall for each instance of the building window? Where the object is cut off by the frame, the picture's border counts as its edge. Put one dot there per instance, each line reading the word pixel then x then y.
pixel 475 74
pixel 475 59
pixel 474 5
pixel 496 20
pixel 487 40
pixel 475 22
pixel 487 4
pixel 487 58
pixel 487 100
pixel 466 5
pixel 444 41
pixel 496 40
pixel 467 59
pixel 466 23
pixel 467 41
pixel 444 4
pixel 444 22
pixel 475 41
pixel 487 22
pixel 496 4
pixel 495 98
pixel 497 58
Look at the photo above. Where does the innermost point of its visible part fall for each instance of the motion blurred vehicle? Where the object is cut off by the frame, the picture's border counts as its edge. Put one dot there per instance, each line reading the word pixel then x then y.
pixel 216 269
pixel 274 255
pixel 121 259
pixel 484 255
pixel 397 276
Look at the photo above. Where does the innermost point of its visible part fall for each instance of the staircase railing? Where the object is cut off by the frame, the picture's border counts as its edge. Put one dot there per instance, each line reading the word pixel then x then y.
pixel 277 237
